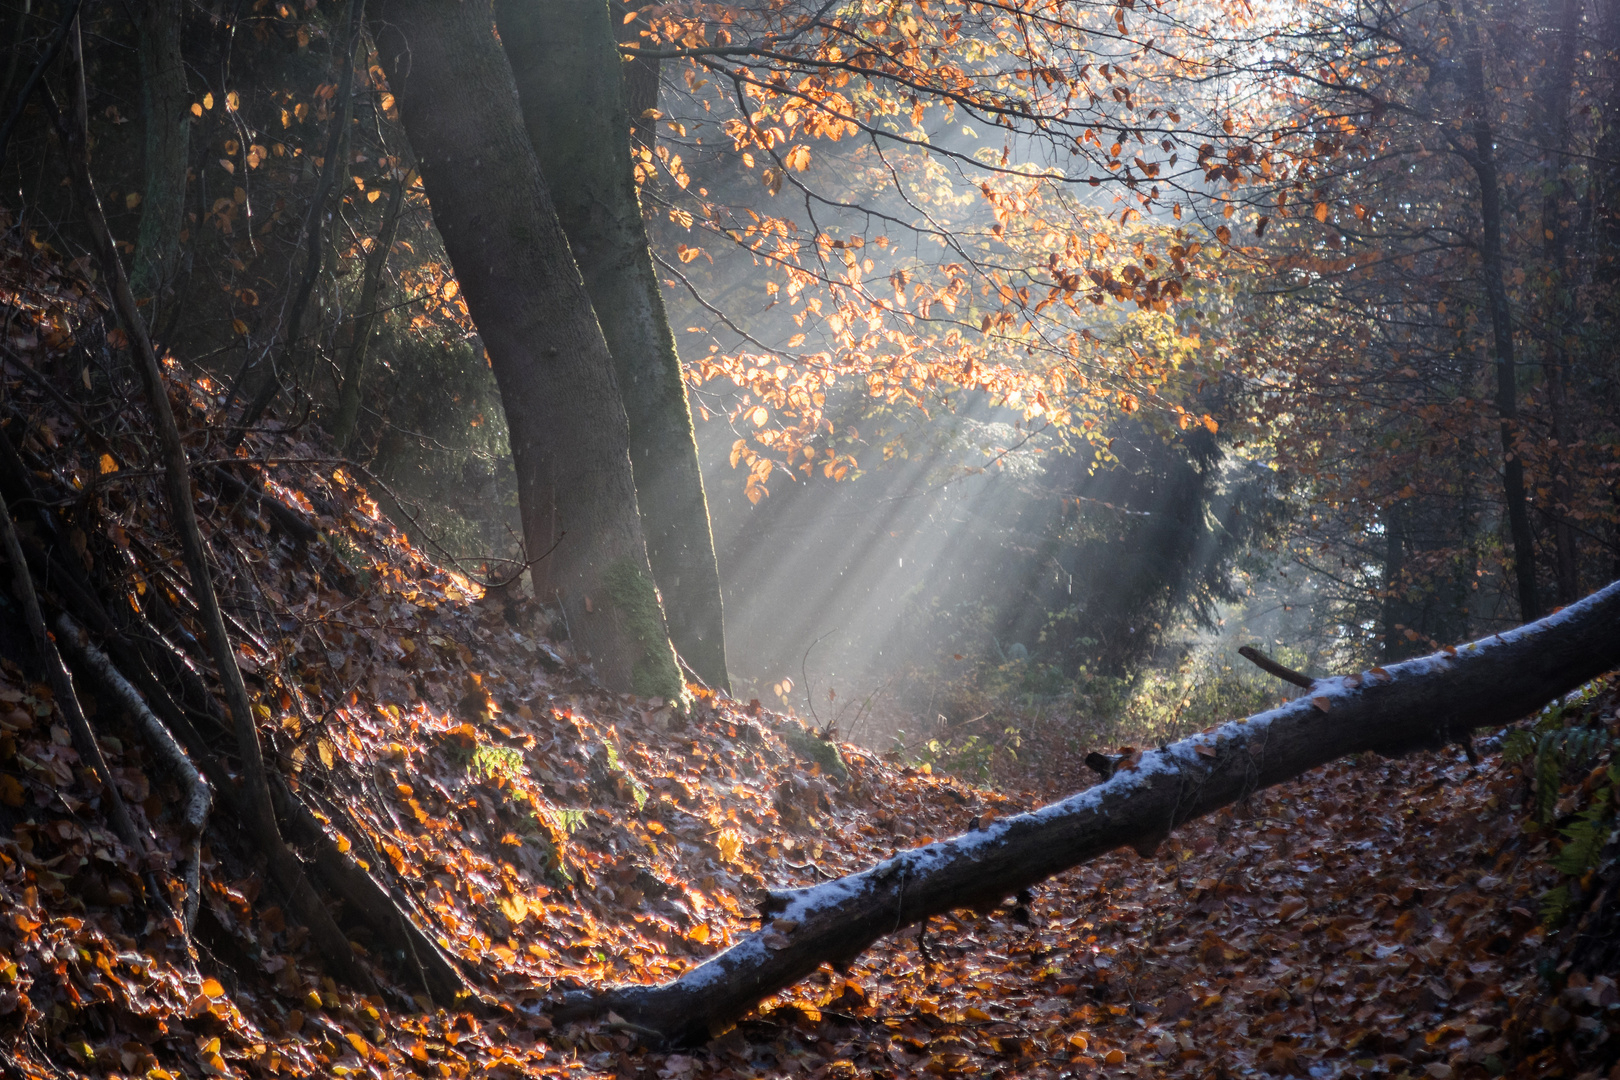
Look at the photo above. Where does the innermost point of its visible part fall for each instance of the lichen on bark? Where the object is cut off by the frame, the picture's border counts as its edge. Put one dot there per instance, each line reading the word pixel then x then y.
pixel 635 604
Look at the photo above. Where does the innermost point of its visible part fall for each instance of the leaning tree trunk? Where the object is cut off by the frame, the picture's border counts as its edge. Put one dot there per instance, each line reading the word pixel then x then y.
pixel 569 82
pixel 164 112
pixel 1422 703
pixel 567 425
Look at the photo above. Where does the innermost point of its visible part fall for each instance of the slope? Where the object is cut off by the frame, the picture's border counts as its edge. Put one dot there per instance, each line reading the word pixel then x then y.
pixel 1371 916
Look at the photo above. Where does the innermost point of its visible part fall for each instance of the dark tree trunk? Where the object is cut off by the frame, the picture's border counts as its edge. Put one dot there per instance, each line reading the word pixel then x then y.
pixel 1482 157
pixel 1427 702
pixel 570 441
pixel 641 78
pixel 1561 312
pixel 165 104
pixel 571 88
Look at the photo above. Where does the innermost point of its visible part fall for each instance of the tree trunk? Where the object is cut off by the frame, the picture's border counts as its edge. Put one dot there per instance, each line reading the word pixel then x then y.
pixel 641 76
pixel 1394 606
pixel 1561 313
pixel 268 383
pixel 1483 159
pixel 365 323
pixel 570 85
pixel 164 111
pixel 570 441
pixel 1427 702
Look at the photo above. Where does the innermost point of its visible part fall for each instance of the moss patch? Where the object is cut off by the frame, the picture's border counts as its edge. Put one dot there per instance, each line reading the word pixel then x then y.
pixel 654 673
pixel 812 748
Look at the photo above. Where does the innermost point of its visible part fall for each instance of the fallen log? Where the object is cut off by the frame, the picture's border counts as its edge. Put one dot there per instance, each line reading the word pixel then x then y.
pixel 1427 702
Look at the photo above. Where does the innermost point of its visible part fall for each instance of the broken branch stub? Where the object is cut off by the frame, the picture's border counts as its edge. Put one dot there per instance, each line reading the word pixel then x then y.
pixel 1423 703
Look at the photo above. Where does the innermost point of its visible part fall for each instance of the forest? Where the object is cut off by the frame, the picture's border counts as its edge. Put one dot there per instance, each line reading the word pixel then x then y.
pixel 955 538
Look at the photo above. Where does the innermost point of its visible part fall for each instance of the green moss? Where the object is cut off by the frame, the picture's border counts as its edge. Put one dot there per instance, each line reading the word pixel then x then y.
pixel 813 748
pixel 654 673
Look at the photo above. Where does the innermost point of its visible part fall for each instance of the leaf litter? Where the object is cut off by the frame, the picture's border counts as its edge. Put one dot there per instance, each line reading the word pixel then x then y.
pixel 1371 917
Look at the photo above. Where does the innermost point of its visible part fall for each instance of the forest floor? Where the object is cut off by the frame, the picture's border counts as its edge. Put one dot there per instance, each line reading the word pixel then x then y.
pixel 1372 917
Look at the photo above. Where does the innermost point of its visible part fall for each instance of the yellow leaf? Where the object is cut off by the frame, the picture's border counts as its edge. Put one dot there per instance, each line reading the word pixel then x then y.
pixel 515 908
pixel 373 196
pixel 196 110
pixel 730 845
pixel 239 326
pixel 208 101
pixel 132 200
pixel 324 748
pixel 232 101
pixel 759 415
pixel 107 464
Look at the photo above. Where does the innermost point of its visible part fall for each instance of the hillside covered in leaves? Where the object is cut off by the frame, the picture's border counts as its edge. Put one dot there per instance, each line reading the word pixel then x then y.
pixel 1374 917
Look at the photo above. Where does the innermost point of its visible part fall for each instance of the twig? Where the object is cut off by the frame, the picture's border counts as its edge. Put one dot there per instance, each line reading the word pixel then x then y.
pixel 1271 667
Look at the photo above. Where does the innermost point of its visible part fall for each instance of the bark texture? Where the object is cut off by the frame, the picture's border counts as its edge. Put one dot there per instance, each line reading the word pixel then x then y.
pixel 572 90
pixel 1426 702
pixel 165 113
pixel 570 440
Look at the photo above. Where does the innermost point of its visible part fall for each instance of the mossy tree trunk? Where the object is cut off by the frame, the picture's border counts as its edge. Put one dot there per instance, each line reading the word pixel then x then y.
pixel 570 440
pixel 165 105
pixel 570 84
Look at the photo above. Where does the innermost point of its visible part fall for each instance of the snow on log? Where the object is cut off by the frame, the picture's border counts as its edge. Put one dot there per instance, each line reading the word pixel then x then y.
pixel 1422 703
